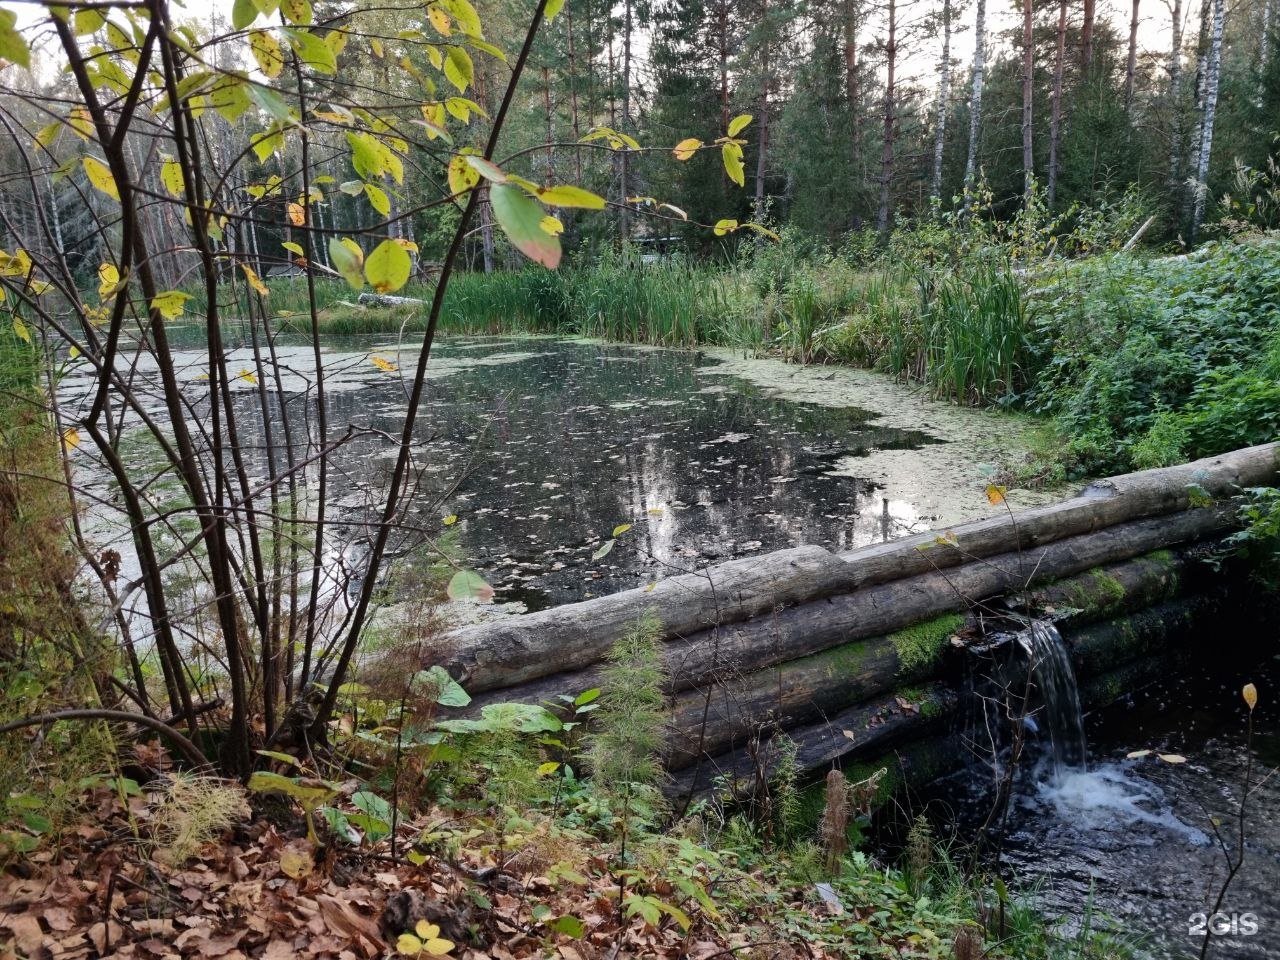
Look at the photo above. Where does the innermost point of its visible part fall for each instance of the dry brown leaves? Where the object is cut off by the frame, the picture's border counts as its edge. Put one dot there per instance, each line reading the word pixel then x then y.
pixel 260 894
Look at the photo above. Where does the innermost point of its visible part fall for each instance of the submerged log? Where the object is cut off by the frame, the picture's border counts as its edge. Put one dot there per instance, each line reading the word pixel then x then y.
pixel 911 574
pixel 388 300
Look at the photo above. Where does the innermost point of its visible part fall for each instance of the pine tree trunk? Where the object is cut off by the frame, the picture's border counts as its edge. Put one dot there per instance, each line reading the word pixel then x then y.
pixel 1131 66
pixel 574 122
pixel 1086 37
pixel 762 148
pixel 551 138
pixel 944 94
pixel 1175 102
pixel 1210 110
pixel 625 164
pixel 1028 68
pixel 851 85
pixel 886 154
pixel 1055 116
pixel 975 100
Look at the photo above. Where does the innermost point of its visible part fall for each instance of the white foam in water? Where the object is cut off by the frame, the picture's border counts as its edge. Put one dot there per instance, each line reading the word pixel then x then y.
pixel 1109 797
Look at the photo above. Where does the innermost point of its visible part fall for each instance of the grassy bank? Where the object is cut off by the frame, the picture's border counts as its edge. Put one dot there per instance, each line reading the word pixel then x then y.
pixel 1134 360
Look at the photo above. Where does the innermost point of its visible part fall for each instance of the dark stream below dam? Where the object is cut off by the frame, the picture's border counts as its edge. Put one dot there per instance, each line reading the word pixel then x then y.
pixel 1125 840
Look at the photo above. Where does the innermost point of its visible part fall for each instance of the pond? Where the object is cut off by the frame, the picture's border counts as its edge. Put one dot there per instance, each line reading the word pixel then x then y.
pixel 542 447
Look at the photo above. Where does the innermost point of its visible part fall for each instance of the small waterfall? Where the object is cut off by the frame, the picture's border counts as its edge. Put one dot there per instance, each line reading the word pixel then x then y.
pixel 1061 717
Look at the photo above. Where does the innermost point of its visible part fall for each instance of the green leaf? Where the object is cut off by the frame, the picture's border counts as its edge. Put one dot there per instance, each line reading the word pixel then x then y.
pixel 603 550
pixel 294 248
pixel 378 199
pixel 387 269
pixel 347 262
pixel 13 46
pixel 243 13
pixel 552 9
pixel 620 529
pixel 738 124
pixel 458 68
pixel 312 50
pixel 587 696
pixel 468 585
pixel 569 926
pixel 437 683
pixel 282 757
pixel 521 220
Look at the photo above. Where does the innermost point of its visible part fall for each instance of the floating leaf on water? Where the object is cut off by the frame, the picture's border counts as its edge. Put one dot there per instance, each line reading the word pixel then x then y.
pixel 1173 758
pixel 603 550
pixel 1137 754
pixel 620 529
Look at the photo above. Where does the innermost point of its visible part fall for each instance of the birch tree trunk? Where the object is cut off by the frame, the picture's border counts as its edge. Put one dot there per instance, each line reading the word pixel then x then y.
pixel 1055 115
pixel 1210 109
pixel 1028 68
pixel 975 100
pixel 886 154
pixel 944 94
pixel 1197 133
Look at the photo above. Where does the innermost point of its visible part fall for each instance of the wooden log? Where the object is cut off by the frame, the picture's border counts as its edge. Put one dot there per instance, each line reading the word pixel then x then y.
pixel 573 637
pixel 867 728
pixel 388 300
pixel 720 655
pixel 506 652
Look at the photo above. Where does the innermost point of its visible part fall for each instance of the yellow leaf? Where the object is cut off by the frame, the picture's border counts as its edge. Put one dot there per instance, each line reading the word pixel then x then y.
pixel 172 178
pixel 266 51
pixel 297 214
pixel 100 177
pixel 738 124
pixel 440 20
pixel 297 862
pixel 462 175
pixel 20 329
pixel 1250 694
pixel 108 281
pixel 71 438
pixel 409 945
pixel 81 123
pixel 725 226
pixel 261 288
pixel 450 520
pixel 687 148
pixel 247 375
pixel 426 931
pixel 170 304
pixel 731 154
pixel 551 225
pixel 18 265
pixel 995 494
pixel 570 196
pixel 383 364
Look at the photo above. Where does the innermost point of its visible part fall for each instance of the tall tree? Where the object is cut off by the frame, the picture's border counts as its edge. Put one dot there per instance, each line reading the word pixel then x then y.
pixel 1055 114
pixel 1028 90
pixel 944 95
pixel 975 98
pixel 1212 79
pixel 884 210
pixel 1175 99
pixel 1086 36
pixel 1131 63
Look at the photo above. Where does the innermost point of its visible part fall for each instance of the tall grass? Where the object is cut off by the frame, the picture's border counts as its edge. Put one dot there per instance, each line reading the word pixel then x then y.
pixel 960 329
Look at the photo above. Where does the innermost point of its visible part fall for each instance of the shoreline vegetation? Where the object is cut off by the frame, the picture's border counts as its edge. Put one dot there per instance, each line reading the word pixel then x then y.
pixel 1129 359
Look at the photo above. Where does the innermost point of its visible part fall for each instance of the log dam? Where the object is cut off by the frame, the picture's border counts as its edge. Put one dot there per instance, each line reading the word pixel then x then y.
pixel 855 656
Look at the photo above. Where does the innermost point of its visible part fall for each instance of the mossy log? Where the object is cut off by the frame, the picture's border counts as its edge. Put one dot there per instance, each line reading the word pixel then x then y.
pixel 695 608
pixel 1144 644
pixel 719 655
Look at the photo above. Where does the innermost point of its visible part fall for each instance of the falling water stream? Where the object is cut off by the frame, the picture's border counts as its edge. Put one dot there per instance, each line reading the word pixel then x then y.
pixel 1063 720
